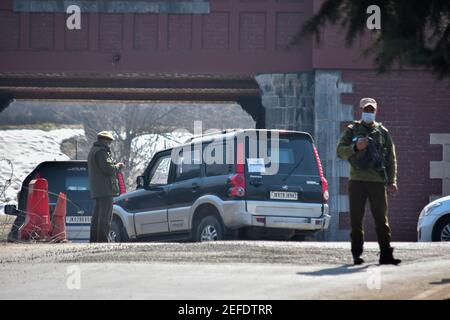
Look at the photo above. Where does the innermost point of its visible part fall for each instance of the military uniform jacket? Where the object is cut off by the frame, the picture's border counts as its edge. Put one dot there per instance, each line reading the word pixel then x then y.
pixel 102 172
pixel 346 150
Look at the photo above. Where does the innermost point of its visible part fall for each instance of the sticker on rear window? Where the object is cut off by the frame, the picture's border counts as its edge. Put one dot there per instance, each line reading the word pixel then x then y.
pixel 256 165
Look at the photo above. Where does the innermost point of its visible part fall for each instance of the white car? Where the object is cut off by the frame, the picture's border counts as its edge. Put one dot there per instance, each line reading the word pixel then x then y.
pixel 434 221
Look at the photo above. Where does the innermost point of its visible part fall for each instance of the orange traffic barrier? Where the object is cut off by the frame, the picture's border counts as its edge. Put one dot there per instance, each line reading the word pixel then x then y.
pixel 37 219
pixel 58 229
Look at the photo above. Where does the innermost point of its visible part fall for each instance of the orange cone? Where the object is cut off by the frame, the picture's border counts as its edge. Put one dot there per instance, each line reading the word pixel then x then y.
pixel 37 220
pixel 58 230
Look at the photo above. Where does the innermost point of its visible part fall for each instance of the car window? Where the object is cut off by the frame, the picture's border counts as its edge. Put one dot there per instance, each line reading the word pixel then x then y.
pixel 161 171
pixel 189 167
pixel 295 153
pixel 217 165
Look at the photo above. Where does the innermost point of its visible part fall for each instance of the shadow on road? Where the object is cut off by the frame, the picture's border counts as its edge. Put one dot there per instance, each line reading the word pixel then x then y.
pixel 344 269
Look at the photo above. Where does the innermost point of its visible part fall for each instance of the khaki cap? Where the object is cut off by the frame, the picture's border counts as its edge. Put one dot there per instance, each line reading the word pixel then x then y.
pixel 105 135
pixel 364 102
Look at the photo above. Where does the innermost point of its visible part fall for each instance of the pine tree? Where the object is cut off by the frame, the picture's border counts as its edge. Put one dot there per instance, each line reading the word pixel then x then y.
pixel 414 33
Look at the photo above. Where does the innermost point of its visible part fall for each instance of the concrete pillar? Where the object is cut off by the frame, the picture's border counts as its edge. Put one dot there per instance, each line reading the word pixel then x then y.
pixel 329 112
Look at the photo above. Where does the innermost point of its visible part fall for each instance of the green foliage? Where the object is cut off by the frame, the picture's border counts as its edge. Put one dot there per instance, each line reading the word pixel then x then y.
pixel 414 33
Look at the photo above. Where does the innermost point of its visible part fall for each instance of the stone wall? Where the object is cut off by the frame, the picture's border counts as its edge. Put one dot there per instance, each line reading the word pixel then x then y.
pixel 288 99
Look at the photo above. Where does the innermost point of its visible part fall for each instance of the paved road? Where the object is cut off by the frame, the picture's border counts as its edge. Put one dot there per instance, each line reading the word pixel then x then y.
pixel 222 270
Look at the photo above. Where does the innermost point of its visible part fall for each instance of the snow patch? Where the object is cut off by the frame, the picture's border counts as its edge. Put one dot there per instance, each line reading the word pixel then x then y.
pixel 27 148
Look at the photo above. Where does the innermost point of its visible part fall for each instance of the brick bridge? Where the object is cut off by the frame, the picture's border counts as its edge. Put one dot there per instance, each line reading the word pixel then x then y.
pixel 233 50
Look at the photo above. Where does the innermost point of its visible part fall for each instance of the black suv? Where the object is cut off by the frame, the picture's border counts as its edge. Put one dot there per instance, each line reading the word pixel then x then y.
pixel 70 177
pixel 266 182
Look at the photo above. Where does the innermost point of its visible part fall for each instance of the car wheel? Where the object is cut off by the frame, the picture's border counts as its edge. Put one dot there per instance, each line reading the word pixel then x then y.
pixel 209 229
pixel 442 230
pixel 117 232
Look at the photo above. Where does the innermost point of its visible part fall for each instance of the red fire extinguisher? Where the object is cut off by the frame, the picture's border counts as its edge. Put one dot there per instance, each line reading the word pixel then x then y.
pixel 122 188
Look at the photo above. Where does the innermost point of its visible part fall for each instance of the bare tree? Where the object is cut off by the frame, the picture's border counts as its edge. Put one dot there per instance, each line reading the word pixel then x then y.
pixel 138 129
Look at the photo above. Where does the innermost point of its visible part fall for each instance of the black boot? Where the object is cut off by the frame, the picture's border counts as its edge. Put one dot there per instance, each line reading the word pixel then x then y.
pixel 357 260
pixel 386 257
pixel 357 251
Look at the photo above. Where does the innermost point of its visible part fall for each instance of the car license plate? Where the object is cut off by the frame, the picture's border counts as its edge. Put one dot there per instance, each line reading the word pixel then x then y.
pixel 283 195
pixel 75 219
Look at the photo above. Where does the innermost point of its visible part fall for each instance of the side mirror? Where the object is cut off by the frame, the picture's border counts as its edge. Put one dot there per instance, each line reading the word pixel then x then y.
pixel 140 182
pixel 10 209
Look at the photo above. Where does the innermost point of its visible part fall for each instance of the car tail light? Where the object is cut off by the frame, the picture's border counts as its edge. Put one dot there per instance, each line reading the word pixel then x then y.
pixel 261 219
pixel 237 180
pixel 323 181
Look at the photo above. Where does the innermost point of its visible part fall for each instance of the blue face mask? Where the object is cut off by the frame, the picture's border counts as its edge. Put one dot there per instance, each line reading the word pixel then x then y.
pixel 368 117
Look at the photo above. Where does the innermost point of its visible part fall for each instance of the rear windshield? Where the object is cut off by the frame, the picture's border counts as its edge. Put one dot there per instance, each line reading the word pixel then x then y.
pixel 64 178
pixel 295 156
pixel 72 180
pixel 77 183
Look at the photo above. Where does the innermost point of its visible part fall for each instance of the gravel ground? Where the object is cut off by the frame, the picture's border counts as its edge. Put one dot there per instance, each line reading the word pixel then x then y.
pixel 266 252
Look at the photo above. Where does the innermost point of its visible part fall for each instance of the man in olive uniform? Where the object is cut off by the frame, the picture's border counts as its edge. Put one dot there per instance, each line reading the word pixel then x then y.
pixel 104 185
pixel 369 148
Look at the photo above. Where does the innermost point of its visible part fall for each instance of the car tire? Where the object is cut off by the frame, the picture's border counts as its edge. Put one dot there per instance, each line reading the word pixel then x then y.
pixel 441 231
pixel 117 232
pixel 209 228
